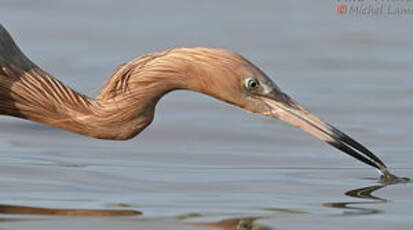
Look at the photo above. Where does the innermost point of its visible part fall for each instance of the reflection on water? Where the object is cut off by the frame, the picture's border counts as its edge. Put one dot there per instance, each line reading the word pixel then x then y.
pixel 366 192
pixel 244 223
pixel 363 193
pixel 247 223
pixel 27 210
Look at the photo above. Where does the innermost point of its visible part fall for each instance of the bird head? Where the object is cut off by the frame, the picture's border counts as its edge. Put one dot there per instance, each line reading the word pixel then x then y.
pixel 230 77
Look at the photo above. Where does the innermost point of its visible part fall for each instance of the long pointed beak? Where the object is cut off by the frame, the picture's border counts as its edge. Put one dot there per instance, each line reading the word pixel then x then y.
pixel 285 109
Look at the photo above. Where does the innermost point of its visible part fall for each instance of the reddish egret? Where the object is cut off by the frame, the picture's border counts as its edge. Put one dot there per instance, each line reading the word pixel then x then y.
pixel 127 103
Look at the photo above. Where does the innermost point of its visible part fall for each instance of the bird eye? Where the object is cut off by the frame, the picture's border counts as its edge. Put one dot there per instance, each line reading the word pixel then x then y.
pixel 251 84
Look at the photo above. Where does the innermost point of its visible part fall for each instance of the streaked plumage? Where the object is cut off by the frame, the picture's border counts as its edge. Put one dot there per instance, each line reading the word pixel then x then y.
pixel 126 104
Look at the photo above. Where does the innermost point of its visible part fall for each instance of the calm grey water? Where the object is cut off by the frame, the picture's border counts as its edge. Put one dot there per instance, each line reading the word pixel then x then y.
pixel 203 164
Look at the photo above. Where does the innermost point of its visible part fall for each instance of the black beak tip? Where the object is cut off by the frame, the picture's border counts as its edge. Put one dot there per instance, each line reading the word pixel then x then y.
pixel 351 147
pixel 356 150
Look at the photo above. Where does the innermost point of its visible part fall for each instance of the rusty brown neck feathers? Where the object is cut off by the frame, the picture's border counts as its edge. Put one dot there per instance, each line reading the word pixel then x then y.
pixel 124 107
pixel 127 103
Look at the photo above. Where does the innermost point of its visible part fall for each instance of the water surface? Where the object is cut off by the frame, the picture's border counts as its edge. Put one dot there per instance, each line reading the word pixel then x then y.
pixel 203 164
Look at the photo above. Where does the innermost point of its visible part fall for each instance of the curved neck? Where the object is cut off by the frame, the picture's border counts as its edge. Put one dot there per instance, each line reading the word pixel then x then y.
pixel 36 96
pixel 123 109
pixel 33 94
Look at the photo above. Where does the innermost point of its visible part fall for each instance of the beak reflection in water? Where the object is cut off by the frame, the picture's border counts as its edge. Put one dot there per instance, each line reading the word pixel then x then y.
pixel 285 109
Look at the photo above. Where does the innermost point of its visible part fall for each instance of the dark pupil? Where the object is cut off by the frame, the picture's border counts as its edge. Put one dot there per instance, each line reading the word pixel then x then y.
pixel 253 84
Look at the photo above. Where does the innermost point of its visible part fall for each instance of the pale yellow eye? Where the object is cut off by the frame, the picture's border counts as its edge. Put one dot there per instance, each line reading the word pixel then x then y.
pixel 251 84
